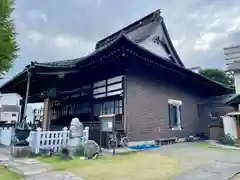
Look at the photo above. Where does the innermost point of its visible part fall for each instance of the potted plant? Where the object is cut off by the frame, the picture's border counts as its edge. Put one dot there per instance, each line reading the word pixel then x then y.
pixel 22 132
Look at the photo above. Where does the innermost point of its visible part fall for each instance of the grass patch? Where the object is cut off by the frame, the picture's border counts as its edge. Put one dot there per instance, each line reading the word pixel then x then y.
pixel 5 174
pixel 141 166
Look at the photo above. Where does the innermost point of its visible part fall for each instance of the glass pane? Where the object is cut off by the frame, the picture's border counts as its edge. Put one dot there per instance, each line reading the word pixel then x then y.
pixel 99 83
pixel 96 109
pixel 99 90
pixel 99 96
pixel 115 79
pixel 114 93
pixel 120 110
pixel 114 87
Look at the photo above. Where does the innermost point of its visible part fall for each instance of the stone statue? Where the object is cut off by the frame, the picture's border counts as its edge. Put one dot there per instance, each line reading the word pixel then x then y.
pixel 76 133
pixel 76 128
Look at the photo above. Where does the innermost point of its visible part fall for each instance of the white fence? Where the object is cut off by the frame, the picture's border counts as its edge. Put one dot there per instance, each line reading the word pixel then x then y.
pixel 42 139
pixel 6 135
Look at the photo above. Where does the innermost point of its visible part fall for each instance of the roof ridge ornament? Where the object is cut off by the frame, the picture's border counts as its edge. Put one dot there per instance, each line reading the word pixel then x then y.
pixel 157 13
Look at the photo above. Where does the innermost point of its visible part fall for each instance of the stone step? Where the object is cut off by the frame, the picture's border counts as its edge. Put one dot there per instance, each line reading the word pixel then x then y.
pixel 27 167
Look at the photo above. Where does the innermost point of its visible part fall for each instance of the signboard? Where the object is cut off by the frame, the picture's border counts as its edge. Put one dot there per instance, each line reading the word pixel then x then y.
pixel 107 123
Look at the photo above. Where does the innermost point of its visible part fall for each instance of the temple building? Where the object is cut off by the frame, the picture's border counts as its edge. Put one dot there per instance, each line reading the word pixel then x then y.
pixel 135 73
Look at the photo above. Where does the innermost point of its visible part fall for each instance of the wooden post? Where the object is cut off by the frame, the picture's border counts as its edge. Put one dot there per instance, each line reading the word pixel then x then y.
pixel 26 96
pixel 47 110
pixel 114 134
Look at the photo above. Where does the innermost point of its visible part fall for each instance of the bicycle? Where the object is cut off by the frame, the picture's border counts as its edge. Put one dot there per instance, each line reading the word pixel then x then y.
pixel 114 142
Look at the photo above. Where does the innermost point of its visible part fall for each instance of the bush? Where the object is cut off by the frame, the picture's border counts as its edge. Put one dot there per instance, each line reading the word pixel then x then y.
pixel 79 151
pixel 227 139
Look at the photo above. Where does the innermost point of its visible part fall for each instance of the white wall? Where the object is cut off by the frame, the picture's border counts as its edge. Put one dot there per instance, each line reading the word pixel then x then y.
pixel 230 127
pixel 10 99
pixel 9 116
pixel 237 81
pixel 150 45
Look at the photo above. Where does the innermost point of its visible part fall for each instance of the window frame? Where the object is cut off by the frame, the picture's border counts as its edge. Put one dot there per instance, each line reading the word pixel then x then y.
pixel 177 104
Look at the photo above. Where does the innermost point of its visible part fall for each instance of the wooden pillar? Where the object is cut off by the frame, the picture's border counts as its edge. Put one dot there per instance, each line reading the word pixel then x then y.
pixel 47 112
pixel 24 106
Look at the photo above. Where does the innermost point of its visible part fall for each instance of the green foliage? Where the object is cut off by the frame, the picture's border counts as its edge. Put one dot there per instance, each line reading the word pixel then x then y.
pixel 8 44
pixel 227 139
pixel 218 75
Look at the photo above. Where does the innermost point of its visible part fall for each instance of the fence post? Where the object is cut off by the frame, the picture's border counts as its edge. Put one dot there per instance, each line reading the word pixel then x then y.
pixel 86 133
pixel 38 140
pixel 65 136
pixel 10 131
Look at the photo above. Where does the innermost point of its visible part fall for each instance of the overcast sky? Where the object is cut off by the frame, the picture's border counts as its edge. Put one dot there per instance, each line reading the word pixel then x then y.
pixel 59 29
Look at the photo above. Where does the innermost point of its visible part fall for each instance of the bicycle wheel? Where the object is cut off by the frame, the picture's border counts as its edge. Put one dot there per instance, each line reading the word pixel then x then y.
pixel 112 144
pixel 124 142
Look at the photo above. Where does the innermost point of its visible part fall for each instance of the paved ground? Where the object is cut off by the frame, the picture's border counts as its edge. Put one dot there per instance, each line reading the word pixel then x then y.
pixel 202 162
pixel 32 169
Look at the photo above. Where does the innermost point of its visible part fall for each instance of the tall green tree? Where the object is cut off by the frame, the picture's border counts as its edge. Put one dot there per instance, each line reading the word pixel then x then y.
pixel 218 75
pixel 8 45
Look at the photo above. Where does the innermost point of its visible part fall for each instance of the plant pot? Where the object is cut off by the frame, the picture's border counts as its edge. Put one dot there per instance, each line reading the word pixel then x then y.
pixel 22 135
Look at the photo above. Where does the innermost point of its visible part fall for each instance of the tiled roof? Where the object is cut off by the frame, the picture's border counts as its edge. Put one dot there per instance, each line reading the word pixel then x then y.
pixel 62 63
pixel 144 28
pixel 137 31
pixel 218 99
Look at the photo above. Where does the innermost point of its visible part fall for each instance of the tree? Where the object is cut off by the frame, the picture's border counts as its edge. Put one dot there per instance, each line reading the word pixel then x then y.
pixel 218 75
pixel 8 45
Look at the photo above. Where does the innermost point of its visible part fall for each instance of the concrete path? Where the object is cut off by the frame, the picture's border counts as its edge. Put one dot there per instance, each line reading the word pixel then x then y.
pixel 202 162
pixel 198 163
pixel 32 169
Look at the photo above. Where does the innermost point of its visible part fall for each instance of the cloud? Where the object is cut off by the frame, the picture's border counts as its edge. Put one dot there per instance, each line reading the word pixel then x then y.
pixel 60 30
pixel 36 15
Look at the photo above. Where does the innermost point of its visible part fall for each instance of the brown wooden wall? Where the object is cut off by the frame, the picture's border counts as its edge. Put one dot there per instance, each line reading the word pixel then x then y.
pixel 204 111
pixel 147 108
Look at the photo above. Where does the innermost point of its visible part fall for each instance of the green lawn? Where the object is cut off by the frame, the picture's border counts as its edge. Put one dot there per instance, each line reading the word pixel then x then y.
pixel 141 166
pixel 5 174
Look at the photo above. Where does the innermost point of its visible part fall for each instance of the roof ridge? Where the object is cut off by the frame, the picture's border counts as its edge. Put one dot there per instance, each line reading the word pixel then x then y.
pixel 131 27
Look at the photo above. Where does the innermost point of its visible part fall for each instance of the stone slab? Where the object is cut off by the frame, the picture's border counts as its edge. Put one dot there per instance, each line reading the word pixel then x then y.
pixel 202 175
pixel 54 175
pixel 212 171
pixel 28 166
pixel 222 168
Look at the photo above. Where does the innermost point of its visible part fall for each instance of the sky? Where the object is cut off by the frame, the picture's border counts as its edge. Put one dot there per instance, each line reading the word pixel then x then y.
pixel 59 29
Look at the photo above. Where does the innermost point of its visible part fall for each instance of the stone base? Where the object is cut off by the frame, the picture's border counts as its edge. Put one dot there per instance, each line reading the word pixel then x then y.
pixel 21 151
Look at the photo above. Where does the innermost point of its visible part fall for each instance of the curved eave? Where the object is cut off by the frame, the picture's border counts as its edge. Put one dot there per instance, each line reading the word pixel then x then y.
pixel 35 68
pixel 19 76
pixel 170 44
pixel 178 68
pixel 123 41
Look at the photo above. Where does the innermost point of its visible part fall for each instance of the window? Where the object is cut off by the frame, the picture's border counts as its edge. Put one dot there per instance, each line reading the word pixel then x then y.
pixel 99 83
pixel 99 90
pixel 109 87
pixel 114 87
pixel 108 107
pixel 175 114
pixel 14 115
pixel 115 79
